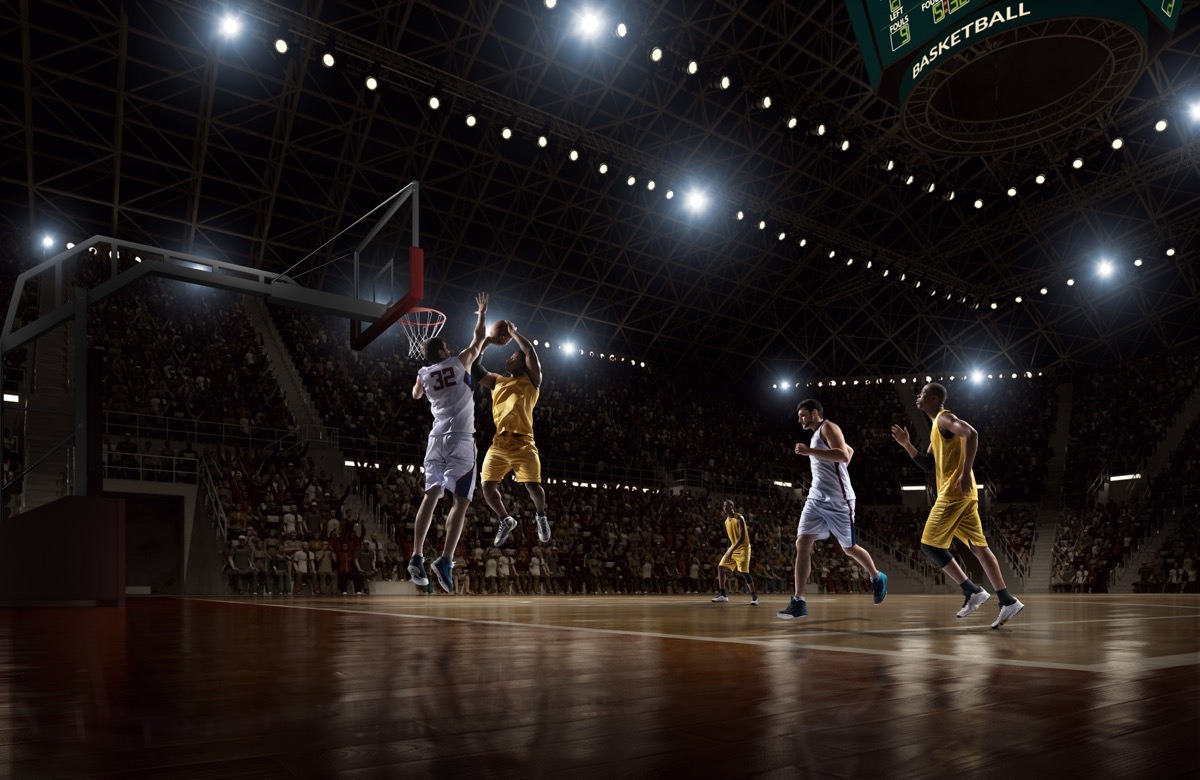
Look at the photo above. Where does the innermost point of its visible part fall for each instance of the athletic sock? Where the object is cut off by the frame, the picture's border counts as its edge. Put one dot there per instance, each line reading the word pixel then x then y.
pixel 723 592
pixel 969 588
pixel 1005 597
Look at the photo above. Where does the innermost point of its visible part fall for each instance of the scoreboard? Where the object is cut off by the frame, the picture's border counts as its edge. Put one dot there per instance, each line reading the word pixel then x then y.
pixel 894 33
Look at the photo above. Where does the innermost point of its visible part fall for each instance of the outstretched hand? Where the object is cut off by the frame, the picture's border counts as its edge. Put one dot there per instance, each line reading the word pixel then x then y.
pixel 481 303
pixel 900 434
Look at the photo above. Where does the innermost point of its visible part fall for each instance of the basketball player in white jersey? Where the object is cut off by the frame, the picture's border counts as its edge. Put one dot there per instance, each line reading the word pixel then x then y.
pixel 450 453
pixel 829 508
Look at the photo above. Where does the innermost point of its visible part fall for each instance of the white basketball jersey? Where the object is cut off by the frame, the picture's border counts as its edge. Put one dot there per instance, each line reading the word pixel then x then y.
pixel 830 480
pixel 451 396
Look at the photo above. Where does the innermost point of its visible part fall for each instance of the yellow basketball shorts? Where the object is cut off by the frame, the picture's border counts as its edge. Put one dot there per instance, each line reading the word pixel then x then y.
pixel 949 520
pixel 739 560
pixel 517 454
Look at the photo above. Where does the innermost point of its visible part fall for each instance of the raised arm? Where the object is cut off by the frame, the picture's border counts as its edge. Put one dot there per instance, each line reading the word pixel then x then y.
pixel 468 355
pixel 533 366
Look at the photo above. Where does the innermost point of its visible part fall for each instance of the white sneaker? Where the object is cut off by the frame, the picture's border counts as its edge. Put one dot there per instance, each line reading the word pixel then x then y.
pixel 720 599
pixel 973 602
pixel 1008 613
pixel 543 526
pixel 504 528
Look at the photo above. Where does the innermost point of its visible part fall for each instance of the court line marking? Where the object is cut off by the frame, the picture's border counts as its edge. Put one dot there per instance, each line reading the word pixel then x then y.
pixel 1144 664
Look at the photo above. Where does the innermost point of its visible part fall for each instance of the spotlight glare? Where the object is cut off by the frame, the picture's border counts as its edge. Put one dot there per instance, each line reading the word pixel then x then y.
pixel 762 224
pixel 1070 283
pixel 910 179
pixel 372 83
pixel 506 132
pixel 932 186
pixel 603 168
pixel 1018 299
pixel 765 102
pixel 588 23
pixel 471 120
pixel 792 121
pixel 693 67
pixel 650 184
pixel 833 254
pixel 741 215
pixel 550 3
pixel 47 242
pixel 1043 291
pixel 1105 269
pixel 1137 263
pixel 890 165
pixel 821 129
pixel 281 45
pixel 231 25
pixel 696 201
pixel 995 306
pixel 1118 142
pixel 845 145
pixel 656 54
pixel 573 154
pixel 782 235
pixel 669 194
pixel 979 203
pixel 631 181
pixel 1012 192
pixel 622 29
pixel 725 82
pixel 543 141
pixel 327 59
pixel 1077 163
pixel 1194 111
pixel 1040 178
pixel 1171 252
pixel 977 376
pixel 804 242
pixel 435 102
pixel 1160 125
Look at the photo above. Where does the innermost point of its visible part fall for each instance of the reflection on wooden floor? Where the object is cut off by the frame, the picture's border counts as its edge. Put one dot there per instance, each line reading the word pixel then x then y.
pixel 442 686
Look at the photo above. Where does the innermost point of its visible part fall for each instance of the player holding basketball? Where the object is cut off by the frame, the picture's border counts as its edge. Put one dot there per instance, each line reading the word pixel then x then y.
pixel 514 395
pixel 955 513
pixel 829 508
pixel 737 557
pixel 450 453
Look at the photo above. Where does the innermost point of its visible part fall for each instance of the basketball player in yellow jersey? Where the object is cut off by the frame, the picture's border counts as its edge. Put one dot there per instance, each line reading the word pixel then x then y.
pixel 514 395
pixel 955 513
pixel 737 557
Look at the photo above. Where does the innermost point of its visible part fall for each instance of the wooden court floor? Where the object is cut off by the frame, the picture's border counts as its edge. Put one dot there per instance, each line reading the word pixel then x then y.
pixel 601 687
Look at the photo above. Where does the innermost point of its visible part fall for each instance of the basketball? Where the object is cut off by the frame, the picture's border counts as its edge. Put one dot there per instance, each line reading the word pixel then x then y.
pixel 499 333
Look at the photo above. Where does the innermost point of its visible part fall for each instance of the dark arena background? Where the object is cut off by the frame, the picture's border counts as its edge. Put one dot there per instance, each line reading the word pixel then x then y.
pixel 227 226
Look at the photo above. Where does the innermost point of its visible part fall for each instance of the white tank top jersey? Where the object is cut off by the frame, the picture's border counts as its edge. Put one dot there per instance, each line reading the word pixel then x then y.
pixel 451 396
pixel 830 480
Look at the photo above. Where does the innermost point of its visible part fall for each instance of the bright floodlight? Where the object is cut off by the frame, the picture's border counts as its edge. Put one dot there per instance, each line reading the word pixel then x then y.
pixel 696 201
pixel 622 30
pixel 603 168
pixel 435 102
pixel 765 102
pixel 281 45
pixel 724 83
pixel 669 194
pixel 650 184
pixel 574 155
pixel 1040 178
pixel 792 121
pixel 910 179
pixel 471 120
pixel 631 181
pixel 977 376
pixel 1118 142
pixel 372 83
pixel 1012 192
pixel 762 224
pixel 543 141
pixel 693 67
pixel 568 347
pixel 782 235
pixel 1160 125
pixel 1194 111
pixel 1171 252
pixel 231 25
pixel 1105 268
pixel 1077 163
pixel 741 215
pixel 550 3
pixel 656 54
pixel 506 133
pixel 47 242
pixel 589 23
pixel 1137 263
pixel 845 146
pixel 979 203
pixel 327 59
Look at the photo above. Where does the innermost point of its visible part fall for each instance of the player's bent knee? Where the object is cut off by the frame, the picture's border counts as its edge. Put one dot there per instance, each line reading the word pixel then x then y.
pixel 938 555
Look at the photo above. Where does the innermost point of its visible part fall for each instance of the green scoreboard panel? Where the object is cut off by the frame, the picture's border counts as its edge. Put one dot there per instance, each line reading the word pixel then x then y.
pixel 891 32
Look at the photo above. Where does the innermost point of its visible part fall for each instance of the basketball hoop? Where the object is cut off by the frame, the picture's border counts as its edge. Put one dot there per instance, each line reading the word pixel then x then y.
pixel 420 324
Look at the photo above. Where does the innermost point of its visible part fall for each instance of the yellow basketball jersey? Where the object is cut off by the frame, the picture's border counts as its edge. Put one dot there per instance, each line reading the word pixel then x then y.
pixel 731 529
pixel 513 399
pixel 948 457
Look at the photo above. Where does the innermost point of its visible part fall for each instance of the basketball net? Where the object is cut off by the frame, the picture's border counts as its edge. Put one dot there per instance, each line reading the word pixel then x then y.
pixel 421 324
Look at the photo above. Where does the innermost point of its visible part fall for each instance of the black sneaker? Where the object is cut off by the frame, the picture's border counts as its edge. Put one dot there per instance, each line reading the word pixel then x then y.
pixel 416 571
pixel 798 608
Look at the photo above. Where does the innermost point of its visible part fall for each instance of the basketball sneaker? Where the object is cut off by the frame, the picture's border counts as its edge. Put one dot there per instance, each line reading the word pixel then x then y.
pixel 973 602
pixel 416 571
pixel 1008 613
pixel 443 569
pixel 720 597
pixel 503 530
pixel 754 599
pixel 879 587
pixel 543 525
pixel 797 608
